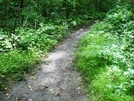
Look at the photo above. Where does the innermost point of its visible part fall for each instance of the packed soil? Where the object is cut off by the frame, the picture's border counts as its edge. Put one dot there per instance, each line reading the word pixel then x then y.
pixel 56 80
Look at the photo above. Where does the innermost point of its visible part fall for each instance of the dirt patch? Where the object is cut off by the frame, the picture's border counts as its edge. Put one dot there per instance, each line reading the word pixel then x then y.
pixel 56 81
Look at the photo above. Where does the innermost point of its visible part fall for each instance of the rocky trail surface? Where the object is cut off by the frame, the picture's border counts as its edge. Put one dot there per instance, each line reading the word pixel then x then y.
pixel 55 81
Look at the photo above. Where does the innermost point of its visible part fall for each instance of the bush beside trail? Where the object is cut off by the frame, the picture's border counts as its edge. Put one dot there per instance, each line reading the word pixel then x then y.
pixel 105 57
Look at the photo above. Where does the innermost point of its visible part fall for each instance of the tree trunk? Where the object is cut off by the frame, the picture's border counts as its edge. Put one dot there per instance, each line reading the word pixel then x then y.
pixel 6 17
pixel 21 7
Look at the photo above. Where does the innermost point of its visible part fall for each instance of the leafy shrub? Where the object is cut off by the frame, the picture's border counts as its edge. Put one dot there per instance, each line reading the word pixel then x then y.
pixel 108 85
pixel 34 40
pixel 44 38
pixel 104 56
pixel 5 43
pixel 21 51
pixel 130 83
pixel 121 23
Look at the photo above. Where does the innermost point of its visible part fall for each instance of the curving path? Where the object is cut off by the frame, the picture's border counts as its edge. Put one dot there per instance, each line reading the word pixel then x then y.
pixel 56 81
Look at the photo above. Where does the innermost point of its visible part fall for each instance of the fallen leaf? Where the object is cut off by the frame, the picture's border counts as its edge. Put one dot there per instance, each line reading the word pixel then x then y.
pixel 58 80
pixel 17 99
pixel 42 81
pixel 46 86
pixel 57 94
pixel 9 96
pixel 30 100
pixel 33 78
pixel 79 88
pixel 30 87
pixel 51 90
pixel 57 88
pixel 33 73
pixel 62 89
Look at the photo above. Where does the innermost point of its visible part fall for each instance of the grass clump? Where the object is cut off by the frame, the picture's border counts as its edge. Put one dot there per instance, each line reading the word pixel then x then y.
pixel 14 64
pixel 105 58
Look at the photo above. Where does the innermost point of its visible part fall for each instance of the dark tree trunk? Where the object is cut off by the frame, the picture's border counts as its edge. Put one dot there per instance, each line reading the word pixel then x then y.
pixel 21 7
pixel 66 6
pixel 6 17
pixel 44 11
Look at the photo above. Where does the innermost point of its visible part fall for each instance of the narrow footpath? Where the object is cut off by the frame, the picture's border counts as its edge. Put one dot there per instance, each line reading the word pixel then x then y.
pixel 55 81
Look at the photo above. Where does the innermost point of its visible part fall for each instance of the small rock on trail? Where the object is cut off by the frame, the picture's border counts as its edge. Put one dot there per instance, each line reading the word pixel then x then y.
pixel 56 81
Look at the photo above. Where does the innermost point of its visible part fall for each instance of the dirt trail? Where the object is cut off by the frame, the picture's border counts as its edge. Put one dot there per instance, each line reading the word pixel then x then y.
pixel 56 81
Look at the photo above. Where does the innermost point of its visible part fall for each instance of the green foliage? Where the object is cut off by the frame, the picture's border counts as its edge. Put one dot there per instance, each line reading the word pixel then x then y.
pixel 130 83
pixel 30 26
pixel 5 44
pixel 105 57
pixel 35 39
pixel 29 13
pixel 43 38
pixel 14 64
pixel 108 85
pixel 123 17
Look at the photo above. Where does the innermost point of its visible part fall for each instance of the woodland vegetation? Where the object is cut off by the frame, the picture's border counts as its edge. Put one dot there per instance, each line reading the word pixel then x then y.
pixel 31 28
pixel 105 56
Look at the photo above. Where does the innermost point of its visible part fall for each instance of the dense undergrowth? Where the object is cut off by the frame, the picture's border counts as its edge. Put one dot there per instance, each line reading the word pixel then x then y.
pixel 19 53
pixel 23 49
pixel 14 64
pixel 31 28
pixel 105 57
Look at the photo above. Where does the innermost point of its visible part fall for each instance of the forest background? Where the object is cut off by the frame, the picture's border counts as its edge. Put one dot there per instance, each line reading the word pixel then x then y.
pixel 31 28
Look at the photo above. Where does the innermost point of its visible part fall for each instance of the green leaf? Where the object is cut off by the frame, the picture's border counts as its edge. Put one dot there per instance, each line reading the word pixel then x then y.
pixel 109 86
